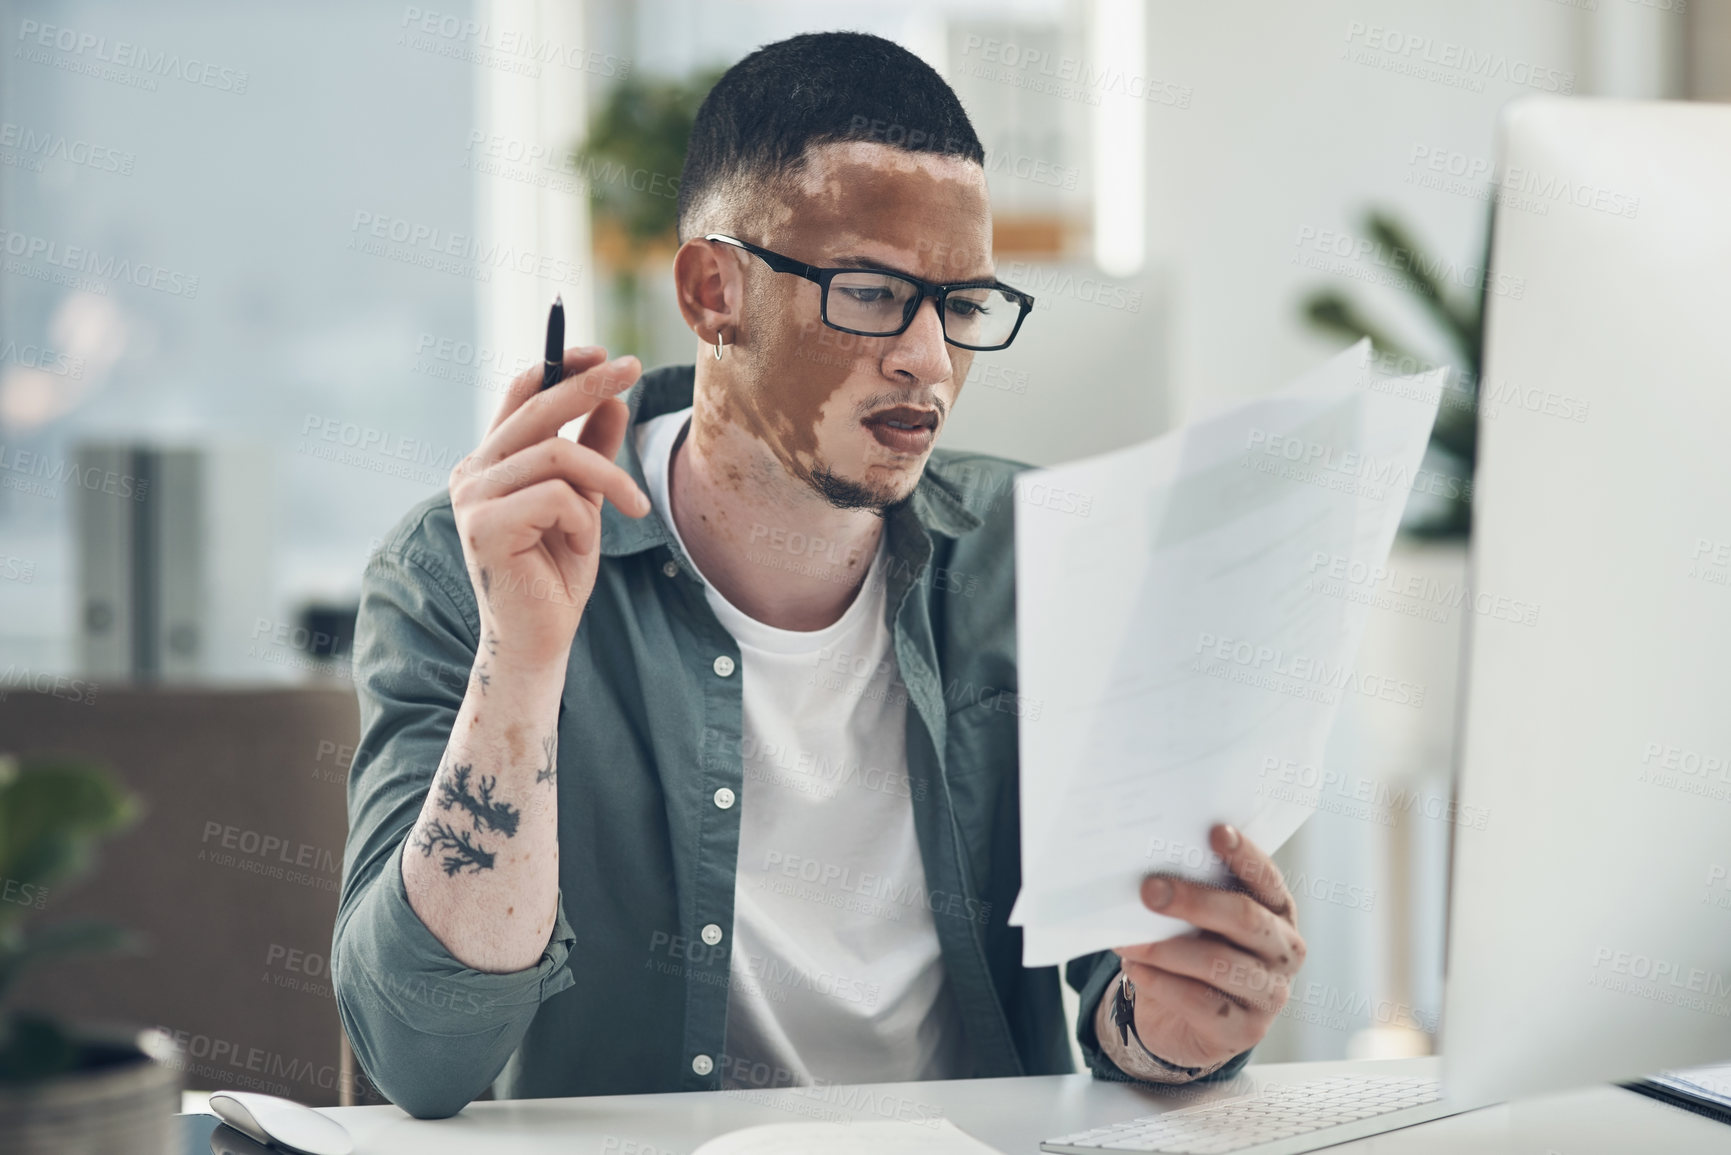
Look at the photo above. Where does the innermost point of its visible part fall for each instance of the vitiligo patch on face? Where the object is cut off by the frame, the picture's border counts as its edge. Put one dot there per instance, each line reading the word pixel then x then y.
pixel 925 214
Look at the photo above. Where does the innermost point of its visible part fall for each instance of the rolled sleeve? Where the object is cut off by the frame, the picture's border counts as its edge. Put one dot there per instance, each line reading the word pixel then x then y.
pixel 436 1030
pixel 430 1032
pixel 1090 975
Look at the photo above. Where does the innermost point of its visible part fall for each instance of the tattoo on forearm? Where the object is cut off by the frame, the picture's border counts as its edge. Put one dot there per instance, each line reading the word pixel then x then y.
pixel 549 772
pixel 460 852
pixel 500 816
pixel 487 587
pixel 482 677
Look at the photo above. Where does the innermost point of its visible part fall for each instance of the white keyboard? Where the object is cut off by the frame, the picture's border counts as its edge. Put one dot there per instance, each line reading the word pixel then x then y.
pixel 1275 1113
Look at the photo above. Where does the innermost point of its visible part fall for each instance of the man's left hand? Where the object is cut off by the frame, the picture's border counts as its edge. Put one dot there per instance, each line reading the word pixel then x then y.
pixel 1208 995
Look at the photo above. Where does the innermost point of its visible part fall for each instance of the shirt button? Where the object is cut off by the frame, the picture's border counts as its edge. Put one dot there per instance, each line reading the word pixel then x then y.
pixel 712 934
pixel 703 1064
pixel 671 569
pixel 723 666
pixel 724 798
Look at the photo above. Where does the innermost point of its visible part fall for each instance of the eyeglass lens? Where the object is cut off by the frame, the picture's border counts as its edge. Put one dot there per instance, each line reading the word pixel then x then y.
pixel 878 303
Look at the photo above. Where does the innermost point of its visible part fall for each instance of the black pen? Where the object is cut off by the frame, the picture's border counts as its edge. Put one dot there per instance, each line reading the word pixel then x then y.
pixel 554 368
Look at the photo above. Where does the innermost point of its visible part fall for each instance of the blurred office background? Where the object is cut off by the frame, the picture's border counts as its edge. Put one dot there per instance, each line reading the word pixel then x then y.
pixel 266 272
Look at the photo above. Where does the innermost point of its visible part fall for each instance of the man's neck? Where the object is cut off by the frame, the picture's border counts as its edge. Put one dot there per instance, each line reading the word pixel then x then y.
pixel 772 547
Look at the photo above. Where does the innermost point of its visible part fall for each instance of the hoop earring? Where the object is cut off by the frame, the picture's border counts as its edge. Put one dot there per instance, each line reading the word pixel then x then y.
pixel 718 345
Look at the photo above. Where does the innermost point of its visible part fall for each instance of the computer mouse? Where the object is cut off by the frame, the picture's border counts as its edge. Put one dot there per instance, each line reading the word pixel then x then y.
pixel 281 1122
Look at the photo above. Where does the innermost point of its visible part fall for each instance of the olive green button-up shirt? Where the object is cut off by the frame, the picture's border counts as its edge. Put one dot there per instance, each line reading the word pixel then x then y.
pixel 628 997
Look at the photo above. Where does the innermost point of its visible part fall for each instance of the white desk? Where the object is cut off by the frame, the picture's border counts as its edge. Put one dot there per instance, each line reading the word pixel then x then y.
pixel 1013 1115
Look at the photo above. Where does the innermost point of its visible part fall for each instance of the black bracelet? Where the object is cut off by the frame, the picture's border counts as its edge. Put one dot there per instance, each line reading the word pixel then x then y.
pixel 1124 1015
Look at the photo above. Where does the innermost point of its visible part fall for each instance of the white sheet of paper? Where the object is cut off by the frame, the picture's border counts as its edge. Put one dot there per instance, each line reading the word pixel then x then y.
pixel 1177 642
pixel 925 1137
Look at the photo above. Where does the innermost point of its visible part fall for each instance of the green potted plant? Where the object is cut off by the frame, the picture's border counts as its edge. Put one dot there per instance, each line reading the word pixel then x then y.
pixel 1459 318
pixel 632 158
pixel 66 1090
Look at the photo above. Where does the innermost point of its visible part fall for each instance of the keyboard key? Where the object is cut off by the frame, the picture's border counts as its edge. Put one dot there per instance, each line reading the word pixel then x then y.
pixel 1279 1112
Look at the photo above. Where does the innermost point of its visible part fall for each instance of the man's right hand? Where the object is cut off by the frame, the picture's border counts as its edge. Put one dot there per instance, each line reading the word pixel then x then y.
pixel 528 505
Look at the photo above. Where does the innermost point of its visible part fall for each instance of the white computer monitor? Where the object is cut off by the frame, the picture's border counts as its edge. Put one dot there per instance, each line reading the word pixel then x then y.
pixel 1590 920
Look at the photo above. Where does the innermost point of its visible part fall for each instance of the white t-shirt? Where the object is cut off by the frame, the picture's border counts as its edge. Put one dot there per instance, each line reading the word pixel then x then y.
pixel 836 971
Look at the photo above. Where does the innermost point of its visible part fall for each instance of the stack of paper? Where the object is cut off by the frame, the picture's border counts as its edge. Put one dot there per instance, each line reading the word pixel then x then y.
pixel 1181 629
pixel 1708 1086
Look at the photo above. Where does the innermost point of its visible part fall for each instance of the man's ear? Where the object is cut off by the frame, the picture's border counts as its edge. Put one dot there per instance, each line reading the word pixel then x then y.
pixel 707 278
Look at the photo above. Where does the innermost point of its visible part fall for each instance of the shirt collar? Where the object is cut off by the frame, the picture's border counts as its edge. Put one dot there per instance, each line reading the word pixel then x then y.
pixel 938 504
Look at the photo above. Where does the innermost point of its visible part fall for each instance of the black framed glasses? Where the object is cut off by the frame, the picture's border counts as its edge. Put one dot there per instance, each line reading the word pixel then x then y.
pixel 979 315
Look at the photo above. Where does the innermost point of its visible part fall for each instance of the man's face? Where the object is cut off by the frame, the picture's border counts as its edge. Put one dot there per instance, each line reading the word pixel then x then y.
pixel 856 417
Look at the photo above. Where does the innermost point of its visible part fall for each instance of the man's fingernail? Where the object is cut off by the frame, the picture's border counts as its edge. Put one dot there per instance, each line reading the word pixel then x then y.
pixel 1157 892
pixel 1231 836
pixel 588 350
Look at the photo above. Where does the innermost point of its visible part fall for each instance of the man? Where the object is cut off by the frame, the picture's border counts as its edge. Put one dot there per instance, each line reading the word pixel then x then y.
pixel 689 749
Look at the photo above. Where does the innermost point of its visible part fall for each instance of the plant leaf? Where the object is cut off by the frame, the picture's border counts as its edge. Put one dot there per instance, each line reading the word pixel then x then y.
pixel 52 813
pixel 69 937
pixel 1459 323
pixel 1334 312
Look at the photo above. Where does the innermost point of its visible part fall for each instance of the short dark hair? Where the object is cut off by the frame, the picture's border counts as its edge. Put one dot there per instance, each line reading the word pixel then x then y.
pixel 818 88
